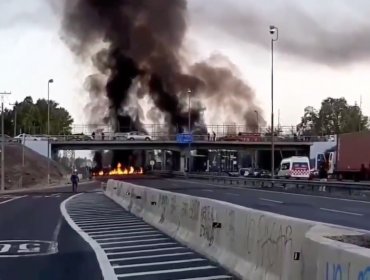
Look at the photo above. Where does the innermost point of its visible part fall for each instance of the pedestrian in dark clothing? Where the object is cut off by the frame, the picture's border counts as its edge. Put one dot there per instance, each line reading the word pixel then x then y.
pixel 74 180
pixel 323 176
pixel 363 172
pixel 214 136
pixel 209 136
pixel 93 135
pixel 102 136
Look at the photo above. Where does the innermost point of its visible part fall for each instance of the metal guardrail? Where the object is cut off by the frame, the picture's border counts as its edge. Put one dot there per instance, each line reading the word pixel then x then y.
pixel 283 184
pixel 196 138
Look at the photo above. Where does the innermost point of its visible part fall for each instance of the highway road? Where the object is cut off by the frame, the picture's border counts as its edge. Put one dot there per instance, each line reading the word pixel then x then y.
pixel 56 234
pixel 339 211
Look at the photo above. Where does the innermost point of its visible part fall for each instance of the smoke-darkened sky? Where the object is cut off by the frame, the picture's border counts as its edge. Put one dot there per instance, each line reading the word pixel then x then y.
pixel 322 50
pixel 327 32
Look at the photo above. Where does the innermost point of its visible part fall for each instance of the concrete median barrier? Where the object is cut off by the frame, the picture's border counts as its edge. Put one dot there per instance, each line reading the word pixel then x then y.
pixel 251 244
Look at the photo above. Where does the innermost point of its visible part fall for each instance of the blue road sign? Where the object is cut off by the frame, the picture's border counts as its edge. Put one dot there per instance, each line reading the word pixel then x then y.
pixel 184 138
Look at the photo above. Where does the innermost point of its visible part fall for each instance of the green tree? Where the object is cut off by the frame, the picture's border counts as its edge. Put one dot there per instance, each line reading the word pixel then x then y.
pixel 335 116
pixel 32 118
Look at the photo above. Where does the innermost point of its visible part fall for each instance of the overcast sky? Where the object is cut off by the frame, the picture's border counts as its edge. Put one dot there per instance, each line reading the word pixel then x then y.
pixel 323 50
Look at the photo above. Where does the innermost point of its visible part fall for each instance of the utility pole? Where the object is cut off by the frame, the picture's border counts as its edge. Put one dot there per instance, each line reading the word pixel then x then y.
pixel 275 35
pixel 3 141
pixel 189 128
pixel 48 128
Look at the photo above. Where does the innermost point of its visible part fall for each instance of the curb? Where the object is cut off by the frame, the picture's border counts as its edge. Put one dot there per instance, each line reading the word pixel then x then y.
pixel 41 188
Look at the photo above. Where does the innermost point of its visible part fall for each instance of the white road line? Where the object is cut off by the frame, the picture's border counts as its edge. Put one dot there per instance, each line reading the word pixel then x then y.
pixel 119 230
pixel 106 268
pixel 144 251
pixel 132 241
pixel 166 271
pixel 141 246
pixel 215 277
pixel 105 219
pixel 342 212
pixel 109 226
pixel 207 190
pixel 271 200
pixel 158 263
pixel 234 194
pixel 135 233
pixel 122 222
pixel 151 256
pixel 12 199
pixel 101 240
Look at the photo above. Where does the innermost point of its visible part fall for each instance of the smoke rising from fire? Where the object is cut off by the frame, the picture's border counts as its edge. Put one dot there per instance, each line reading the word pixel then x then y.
pixel 141 41
pixel 334 33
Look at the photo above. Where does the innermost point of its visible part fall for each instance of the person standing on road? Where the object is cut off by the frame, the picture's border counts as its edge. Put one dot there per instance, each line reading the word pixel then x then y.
pixel 74 181
pixel 93 135
pixel 323 174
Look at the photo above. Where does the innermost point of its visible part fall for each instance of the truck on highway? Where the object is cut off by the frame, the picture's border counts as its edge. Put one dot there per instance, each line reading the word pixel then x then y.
pixel 350 158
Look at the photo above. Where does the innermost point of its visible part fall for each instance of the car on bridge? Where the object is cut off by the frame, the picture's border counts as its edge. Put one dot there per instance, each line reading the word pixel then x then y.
pixel 132 136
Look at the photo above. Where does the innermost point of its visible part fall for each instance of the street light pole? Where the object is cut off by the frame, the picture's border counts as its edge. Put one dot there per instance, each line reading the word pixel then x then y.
pixel 189 129
pixel 49 82
pixel 275 35
pixel 2 142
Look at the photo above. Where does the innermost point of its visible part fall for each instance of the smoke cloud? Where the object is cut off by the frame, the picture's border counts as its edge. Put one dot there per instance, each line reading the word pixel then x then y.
pixel 141 41
pixel 332 33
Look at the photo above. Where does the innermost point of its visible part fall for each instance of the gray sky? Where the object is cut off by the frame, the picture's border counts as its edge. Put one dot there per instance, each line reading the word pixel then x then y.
pixel 323 50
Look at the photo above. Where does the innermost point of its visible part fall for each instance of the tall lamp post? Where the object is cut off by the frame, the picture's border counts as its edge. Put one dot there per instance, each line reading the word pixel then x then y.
pixel 189 129
pixel 49 82
pixel 274 37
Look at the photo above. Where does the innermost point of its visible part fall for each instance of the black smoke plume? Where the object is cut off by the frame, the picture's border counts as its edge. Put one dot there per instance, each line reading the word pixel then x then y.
pixel 140 42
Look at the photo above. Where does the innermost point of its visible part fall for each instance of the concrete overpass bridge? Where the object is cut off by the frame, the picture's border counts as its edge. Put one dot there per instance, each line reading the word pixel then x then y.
pixel 174 146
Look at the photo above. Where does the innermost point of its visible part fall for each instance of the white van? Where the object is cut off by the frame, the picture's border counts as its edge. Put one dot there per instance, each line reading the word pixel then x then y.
pixel 295 167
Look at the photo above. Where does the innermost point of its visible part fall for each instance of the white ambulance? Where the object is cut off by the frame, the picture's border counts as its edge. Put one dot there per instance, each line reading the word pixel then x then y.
pixel 295 167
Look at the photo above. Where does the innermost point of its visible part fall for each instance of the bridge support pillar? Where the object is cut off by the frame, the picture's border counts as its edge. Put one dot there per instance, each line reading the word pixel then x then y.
pixel 163 159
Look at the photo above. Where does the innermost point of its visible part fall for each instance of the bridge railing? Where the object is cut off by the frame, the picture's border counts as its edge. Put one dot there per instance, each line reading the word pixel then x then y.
pixel 196 138
pixel 326 187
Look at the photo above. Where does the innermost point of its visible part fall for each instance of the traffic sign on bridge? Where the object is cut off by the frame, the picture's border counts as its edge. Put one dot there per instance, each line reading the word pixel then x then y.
pixel 184 138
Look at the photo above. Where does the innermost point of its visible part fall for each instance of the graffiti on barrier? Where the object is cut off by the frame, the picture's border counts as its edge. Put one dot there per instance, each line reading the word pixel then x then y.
pixel 231 227
pixel 364 274
pixel 163 204
pixel 173 205
pixel 206 224
pixel 335 271
pixel 269 243
pixel 194 209
pixel 275 243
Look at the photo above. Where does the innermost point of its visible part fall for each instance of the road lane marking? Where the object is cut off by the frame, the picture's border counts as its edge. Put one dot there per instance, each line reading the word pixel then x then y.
pixel 271 200
pixel 145 251
pixel 12 199
pixel 151 256
pixel 140 246
pixel 132 241
pixel 110 226
pixel 105 267
pixel 341 212
pixel 210 277
pixel 222 186
pixel 159 263
pixel 101 240
pixel 135 233
pixel 154 272
pixel 207 190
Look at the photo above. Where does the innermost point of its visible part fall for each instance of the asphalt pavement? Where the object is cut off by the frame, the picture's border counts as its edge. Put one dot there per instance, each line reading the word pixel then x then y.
pixel 339 211
pixel 37 243
pixel 56 234
pixel 128 248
